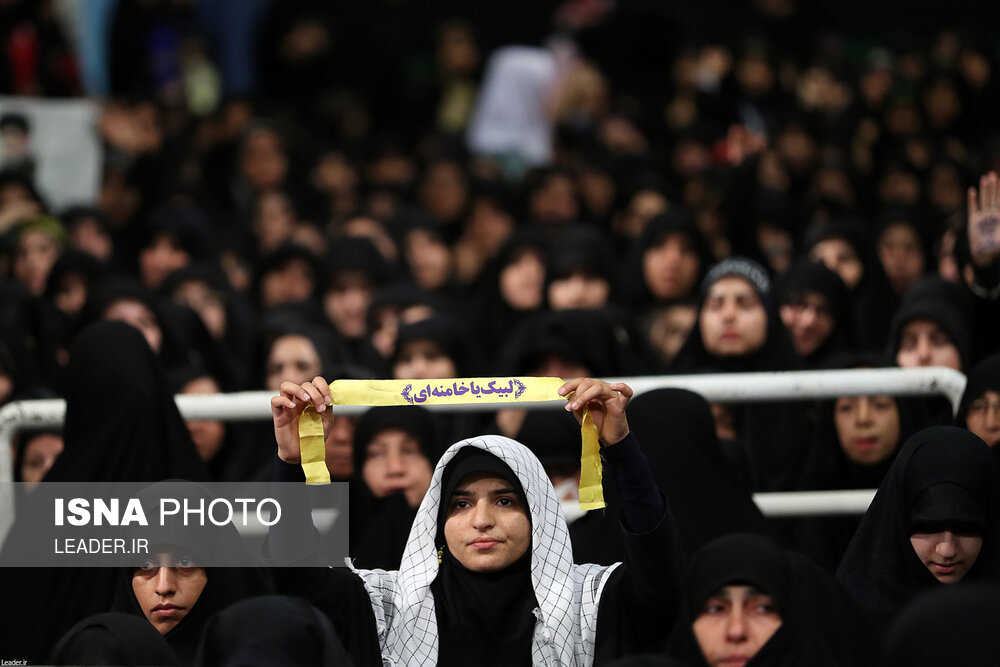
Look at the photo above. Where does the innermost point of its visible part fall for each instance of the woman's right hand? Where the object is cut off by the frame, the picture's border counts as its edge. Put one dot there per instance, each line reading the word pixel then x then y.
pixel 286 407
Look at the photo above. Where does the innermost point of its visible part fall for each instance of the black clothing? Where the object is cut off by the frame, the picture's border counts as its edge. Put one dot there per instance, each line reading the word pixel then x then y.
pixel 602 341
pixel 637 602
pixel 686 460
pixel 981 379
pixel 554 437
pixel 113 639
pixel 495 318
pixel 820 625
pixel 809 276
pixel 224 585
pixel 379 526
pixel 953 625
pixel 635 289
pixel 775 430
pixel 271 630
pixel 825 539
pixel 118 401
pixel 872 300
pixel 111 364
pixel 880 569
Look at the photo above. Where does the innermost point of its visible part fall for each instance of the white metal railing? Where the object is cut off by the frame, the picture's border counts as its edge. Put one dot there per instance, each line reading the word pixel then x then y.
pixel 717 388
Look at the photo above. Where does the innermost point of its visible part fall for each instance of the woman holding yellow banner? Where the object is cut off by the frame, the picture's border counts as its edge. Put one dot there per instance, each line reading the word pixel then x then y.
pixel 487 574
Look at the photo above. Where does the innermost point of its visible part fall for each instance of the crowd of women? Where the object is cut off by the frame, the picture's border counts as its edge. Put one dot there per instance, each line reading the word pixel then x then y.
pixel 690 198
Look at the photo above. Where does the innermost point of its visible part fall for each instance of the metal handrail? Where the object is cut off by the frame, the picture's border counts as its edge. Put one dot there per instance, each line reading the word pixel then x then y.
pixel 717 388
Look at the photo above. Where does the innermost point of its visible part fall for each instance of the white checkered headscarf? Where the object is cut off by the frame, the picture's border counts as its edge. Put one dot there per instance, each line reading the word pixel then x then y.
pixel 568 595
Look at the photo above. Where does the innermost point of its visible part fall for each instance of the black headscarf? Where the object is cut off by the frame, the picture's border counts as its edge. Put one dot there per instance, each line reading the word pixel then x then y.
pixel 381 526
pixel 820 625
pixel 809 276
pixel 185 340
pixel 677 433
pixel 494 317
pixel 554 437
pixel 880 569
pixel 983 378
pixel 477 610
pixel 942 312
pixel 113 639
pixel 775 430
pixel 448 333
pixel 119 397
pixel 452 336
pixel 587 250
pixel 872 299
pixel 271 630
pixel 224 585
pixel 777 352
pixel 953 625
pixel 676 221
pixel 825 539
pixel 600 340
pixel 122 425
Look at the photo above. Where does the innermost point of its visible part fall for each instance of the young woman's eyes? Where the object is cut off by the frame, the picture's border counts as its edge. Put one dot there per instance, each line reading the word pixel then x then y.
pixel 714 607
pixel 504 501
pixel 460 504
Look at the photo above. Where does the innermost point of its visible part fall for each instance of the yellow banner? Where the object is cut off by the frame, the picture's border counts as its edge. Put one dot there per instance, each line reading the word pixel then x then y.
pixel 452 391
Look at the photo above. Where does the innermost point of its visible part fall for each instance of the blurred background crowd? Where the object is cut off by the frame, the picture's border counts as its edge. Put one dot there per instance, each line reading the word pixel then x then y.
pixel 435 189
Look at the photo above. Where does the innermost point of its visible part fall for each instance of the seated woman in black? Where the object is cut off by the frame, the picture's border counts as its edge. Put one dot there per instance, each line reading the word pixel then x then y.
pixel 932 521
pixel 487 574
pixel 749 602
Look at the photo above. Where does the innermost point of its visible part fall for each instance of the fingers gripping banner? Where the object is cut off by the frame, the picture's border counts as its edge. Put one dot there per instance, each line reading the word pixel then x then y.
pixel 454 391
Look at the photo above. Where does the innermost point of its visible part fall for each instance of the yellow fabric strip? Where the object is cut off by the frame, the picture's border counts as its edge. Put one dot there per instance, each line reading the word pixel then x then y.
pixel 591 486
pixel 312 447
pixel 452 391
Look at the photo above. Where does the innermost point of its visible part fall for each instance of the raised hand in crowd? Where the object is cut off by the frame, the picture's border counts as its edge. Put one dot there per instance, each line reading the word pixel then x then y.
pixel 984 220
pixel 606 402
pixel 289 404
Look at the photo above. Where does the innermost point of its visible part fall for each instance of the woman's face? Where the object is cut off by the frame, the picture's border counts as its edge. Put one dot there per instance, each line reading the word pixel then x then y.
pixel 580 289
pixel 264 163
pixel 40 453
pixel 293 358
pixel 867 427
pixel 167 594
pixel 429 258
pixel 522 280
pixel 346 302
pixel 947 554
pixel 670 328
pixel 840 257
pixel 203 299
pixel 925 343
pixel 159 259
pixel 71 294
pixel 487 527
pixel 137 314
pixel 394 462
pixel 36 253
pixel 983 417
pixel 208 434
pixel 733 322
pixel 901 255
pixel 670 268
pixel 808 317
pixel 289 283
pixel 734 624
pixel 423 360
